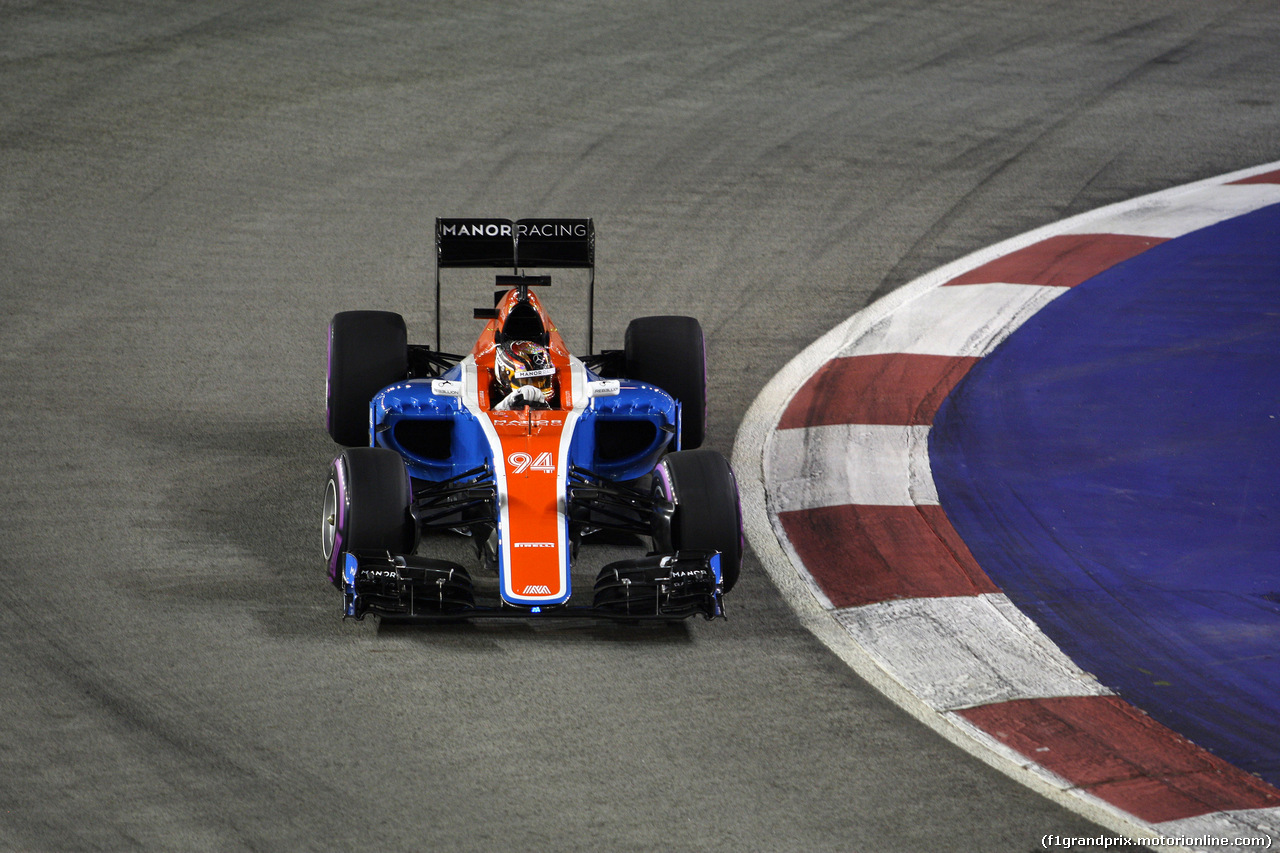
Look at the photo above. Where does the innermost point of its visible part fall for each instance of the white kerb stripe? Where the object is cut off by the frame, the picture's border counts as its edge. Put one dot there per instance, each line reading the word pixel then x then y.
pixel 849 464
pixel 961 652
pixel 1244 823
pixel 964 320
pixel 1173 215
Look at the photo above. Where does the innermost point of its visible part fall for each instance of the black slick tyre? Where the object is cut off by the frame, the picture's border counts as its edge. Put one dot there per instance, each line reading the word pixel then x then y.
pixel 708 515
pixel 670 352
pixel 368 350
pixel 367 507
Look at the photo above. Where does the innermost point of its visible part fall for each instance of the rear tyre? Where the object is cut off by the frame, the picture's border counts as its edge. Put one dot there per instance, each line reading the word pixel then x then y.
pixel 670 352
pixel 368 350
pixel 708 514
pixel 367 507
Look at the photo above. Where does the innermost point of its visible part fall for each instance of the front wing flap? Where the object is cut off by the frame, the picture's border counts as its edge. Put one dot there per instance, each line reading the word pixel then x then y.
pixel 655 587
pixel 410 587
pixel 662 586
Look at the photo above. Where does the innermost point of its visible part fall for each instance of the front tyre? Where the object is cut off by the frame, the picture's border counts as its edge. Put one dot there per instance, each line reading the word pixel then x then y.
pixel 708 515
pixel 368 350
pixel 367 507
pixel 670 352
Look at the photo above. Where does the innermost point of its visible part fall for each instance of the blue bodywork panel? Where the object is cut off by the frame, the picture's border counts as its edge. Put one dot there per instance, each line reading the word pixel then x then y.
pixel 439 438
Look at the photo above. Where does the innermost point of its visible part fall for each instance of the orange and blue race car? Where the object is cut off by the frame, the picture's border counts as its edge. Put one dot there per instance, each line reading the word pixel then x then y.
pixel 525 448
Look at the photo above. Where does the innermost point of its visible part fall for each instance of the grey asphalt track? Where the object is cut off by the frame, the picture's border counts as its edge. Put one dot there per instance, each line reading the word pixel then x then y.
pixel 188 191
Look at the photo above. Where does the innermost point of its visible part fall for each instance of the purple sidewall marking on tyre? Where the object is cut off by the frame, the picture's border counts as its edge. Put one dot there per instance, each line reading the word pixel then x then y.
pixel 661 471
pixel 341 509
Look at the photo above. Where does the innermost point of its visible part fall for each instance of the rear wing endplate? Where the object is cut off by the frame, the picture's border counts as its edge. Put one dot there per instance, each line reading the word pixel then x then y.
pixel 522 244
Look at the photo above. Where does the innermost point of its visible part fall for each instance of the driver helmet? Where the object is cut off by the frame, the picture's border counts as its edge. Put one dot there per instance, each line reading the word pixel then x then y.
pixel 521 363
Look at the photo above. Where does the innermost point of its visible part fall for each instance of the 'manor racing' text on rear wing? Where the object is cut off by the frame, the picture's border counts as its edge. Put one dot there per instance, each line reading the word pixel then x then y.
pixel 522 244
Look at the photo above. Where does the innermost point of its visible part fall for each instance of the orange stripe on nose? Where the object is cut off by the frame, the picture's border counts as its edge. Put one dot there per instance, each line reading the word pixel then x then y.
pixel 533 528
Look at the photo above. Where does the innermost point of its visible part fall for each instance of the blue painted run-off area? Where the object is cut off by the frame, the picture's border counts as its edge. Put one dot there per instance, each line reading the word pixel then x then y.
pixel 1115 468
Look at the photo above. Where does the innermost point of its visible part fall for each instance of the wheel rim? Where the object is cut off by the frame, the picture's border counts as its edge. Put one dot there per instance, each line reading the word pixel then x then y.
pixel 329 519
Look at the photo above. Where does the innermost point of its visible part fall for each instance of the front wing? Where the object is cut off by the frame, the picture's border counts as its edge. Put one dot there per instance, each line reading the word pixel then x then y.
pixel 662 587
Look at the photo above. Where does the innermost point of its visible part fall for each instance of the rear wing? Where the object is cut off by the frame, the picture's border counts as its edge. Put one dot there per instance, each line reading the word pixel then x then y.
pixel 522 244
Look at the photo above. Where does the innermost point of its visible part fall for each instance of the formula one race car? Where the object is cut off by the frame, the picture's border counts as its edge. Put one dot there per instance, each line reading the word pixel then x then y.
pixel 525 448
